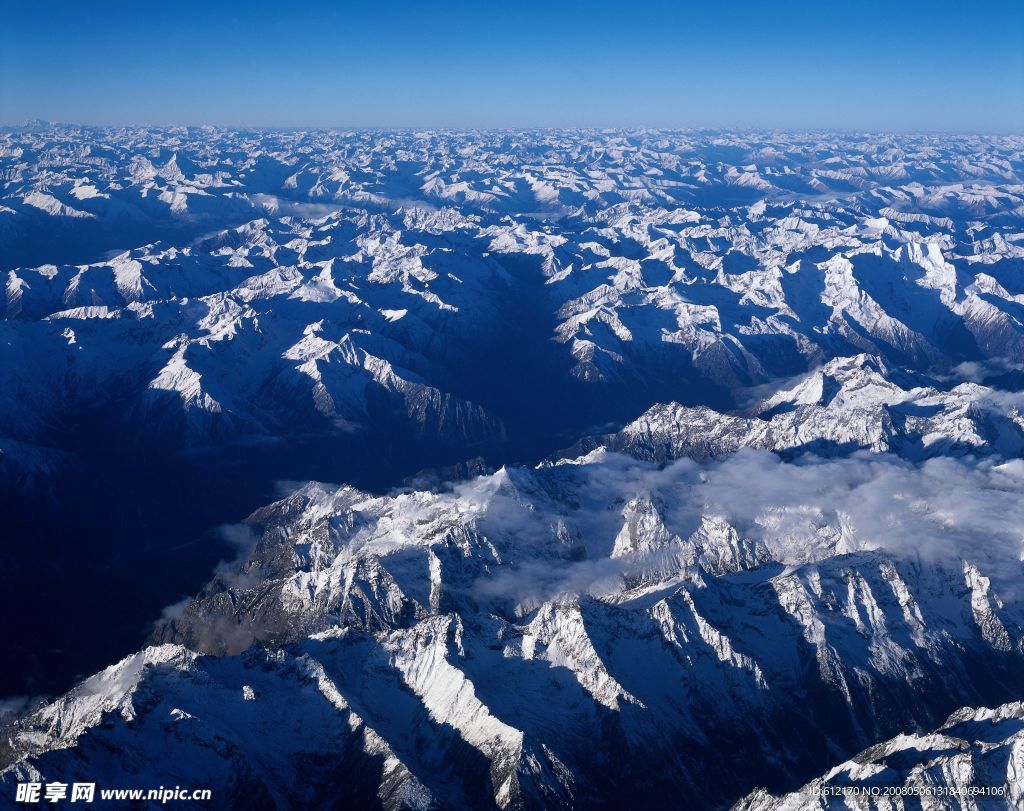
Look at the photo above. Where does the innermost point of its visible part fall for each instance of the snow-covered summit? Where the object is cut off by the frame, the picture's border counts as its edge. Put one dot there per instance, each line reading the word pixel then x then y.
pixel 848 404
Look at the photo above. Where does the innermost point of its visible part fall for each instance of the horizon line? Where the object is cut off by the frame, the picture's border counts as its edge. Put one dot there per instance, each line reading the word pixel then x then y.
pixel 41 123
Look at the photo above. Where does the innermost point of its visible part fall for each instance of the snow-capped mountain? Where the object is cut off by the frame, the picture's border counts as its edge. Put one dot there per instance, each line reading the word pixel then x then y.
pixel 506 642
pixel 974 760
pixel 848 404
pixel 787 368
pixel 639 262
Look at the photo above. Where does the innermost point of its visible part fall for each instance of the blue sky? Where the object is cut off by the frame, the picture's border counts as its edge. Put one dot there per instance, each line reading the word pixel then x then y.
pixel 894 65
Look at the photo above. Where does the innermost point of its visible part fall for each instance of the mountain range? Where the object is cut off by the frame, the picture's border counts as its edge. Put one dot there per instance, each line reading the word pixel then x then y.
pixel 512 468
